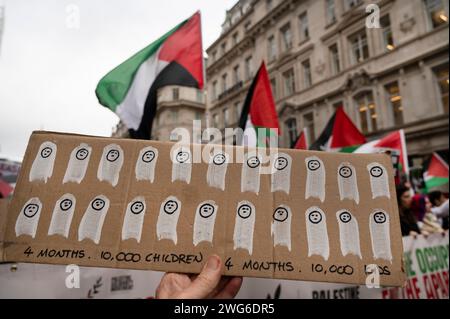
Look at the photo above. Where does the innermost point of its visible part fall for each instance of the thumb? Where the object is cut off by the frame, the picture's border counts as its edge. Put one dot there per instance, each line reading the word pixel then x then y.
pixel 206 281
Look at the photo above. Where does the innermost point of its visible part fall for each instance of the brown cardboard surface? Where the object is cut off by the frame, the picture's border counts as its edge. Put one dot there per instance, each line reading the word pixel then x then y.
pixel 266 260
pixel 3 212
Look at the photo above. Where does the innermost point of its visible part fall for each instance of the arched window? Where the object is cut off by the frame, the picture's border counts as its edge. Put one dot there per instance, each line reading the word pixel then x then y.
pixel 367 112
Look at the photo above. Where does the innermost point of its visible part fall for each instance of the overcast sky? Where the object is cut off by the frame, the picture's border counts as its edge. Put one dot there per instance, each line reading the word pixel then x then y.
pixel 49 67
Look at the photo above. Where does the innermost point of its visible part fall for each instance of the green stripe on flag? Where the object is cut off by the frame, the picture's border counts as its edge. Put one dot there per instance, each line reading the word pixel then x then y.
pixel 113 87
pixel 436 182
pixel 349 149
pixel 263 135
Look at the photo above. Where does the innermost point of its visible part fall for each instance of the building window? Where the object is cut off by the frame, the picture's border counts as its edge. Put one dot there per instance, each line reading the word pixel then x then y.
pixel 199 96
pixel 367 112
pixel 247 25
pixel 236 76
pixel 248 68
pixel 331 13
pixel 307 81
pixel 291 129
pixel 198 116
pixel 437 12
pixel 216 120
pixel 359 47
pixel 289 82
pixel 443 83
pixel 388 39
pixel 224 82
pixel 395 101
pixel 304 29
pixel 214 91
pixel 174 116
pixel 214 56
pixel 273 84
pixel 175 94
pixel 286 37
pixel 308 124
pixel 334 59
pixel 226 117
pixel 271 48
pixel 224 48
pixel 235 38
pixel 350 4
pixel 269 5
pixel 237 112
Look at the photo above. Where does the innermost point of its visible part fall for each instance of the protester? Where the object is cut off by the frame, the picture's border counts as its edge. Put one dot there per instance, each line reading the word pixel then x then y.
pixel 408 221
pixel 418 206
pixel 208 284
pixel 429 222
pixel 440 207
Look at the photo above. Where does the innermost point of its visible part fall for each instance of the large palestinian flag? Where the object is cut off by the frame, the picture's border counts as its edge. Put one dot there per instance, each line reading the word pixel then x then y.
pixel 259 118
pixel 340 135
pixel 130 90
pixel 437 173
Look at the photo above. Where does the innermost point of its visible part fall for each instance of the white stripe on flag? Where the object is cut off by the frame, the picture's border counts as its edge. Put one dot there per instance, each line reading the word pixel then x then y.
pixel 131 109
pixel 249 138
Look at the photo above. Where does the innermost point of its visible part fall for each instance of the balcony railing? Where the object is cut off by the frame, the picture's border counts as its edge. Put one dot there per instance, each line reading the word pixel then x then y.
pixel 231 90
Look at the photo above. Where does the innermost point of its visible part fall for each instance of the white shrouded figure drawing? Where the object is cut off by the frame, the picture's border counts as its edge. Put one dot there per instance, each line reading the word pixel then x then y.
pixel 91 224
pixel 281 226
pixel 110 164
pixel 315 178
pixel 347 182
pixel 166 226
pixel 217 170
pixel 134 219
pixel 42 167
pixel 78 164
pixel 348 233
pixel 182 164
pixel 379 224
pixel 62 216
pixel 244 226
pixel 317 234
pixel 379 180
pixel 28 219
pixel 205 219
pixel 146 163
pixel 281 176
pixel 250 176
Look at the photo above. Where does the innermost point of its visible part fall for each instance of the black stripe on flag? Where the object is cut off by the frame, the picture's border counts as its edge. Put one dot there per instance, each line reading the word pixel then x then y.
pixel 173 74
pixel 323 139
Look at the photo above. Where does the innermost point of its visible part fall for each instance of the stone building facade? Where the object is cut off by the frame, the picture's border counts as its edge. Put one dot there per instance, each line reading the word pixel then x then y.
pixel 320 54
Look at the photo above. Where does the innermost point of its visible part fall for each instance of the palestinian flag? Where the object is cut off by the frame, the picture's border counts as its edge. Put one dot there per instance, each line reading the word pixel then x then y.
pixel 437 173
pixel 130 90
pixel 340 135
pixel 302 141
pixel 395 143
pixel 259 118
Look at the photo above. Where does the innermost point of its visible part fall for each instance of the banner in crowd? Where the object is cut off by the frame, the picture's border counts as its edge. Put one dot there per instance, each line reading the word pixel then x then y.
pixel 426 264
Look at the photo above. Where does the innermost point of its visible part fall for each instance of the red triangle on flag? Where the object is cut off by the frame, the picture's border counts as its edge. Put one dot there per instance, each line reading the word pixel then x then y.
pixel 437 167
pixel 345 133
pixel 302 143
pixel 262 107
pixel 185 47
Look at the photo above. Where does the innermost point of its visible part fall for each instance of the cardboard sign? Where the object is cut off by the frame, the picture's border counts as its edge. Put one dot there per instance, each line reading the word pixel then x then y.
pixel 123 203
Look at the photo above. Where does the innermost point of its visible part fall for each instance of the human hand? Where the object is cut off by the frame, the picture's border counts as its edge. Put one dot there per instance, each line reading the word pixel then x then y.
pixel 208 284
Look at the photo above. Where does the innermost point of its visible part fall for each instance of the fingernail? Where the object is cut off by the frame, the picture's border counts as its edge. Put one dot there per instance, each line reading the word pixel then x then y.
pixel 213 263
